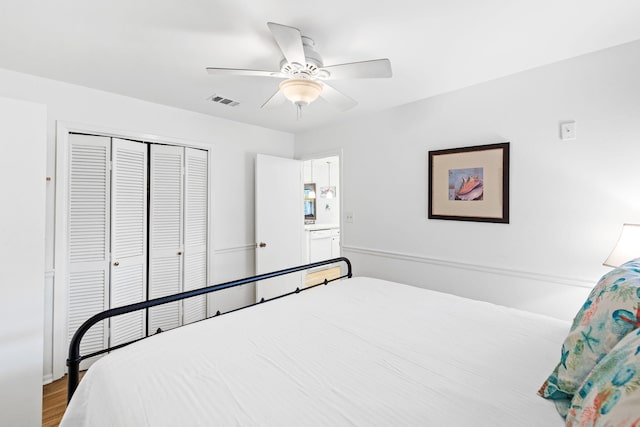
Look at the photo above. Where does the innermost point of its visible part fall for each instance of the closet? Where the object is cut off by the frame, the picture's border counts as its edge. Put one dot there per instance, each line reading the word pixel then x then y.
pixel 137 229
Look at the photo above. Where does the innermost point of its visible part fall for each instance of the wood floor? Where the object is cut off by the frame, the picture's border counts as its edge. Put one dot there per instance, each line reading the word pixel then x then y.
pixel 318 276
pixel 54 402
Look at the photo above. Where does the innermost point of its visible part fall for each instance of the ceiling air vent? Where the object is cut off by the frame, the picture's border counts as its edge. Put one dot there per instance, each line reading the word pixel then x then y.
pixel 222 100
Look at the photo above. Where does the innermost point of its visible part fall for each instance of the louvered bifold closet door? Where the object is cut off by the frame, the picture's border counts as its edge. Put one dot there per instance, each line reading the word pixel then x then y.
pixel 128 237
pixel 88 237
pixel 195 239
pixel 165 234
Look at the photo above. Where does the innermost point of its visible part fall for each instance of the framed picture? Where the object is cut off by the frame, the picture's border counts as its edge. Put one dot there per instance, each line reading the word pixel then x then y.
pixel 328 192
pixel 470 183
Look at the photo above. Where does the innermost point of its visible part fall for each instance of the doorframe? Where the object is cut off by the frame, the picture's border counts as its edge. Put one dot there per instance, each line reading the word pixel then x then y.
pixel 339 152
pixel 58 327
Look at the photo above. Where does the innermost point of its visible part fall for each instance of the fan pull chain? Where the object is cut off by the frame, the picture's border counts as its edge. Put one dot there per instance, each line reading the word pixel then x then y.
pixel 298 111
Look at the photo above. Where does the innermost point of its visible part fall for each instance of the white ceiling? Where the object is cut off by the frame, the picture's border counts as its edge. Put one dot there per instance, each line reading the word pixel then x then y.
pixel 157 50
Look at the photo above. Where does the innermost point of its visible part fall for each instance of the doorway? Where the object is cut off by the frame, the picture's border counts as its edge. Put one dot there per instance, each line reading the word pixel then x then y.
pixel 298 205
pixel 323 207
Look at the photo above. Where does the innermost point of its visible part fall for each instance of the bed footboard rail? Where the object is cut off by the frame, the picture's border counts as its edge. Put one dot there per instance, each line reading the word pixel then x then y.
pixel 73 362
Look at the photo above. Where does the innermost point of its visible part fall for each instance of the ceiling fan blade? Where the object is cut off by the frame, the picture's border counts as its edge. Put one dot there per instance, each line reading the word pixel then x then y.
pixel 289 40
pixel 276 100
pixel 336 98
pixel 375 68
pixel 241 72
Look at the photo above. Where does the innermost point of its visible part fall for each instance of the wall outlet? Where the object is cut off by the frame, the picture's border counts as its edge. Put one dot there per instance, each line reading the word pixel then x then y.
pixel 348 217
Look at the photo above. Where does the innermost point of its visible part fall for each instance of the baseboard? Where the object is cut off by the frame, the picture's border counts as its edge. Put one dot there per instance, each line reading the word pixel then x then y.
pixel 547 278
pixel 47 379
pixel 49 276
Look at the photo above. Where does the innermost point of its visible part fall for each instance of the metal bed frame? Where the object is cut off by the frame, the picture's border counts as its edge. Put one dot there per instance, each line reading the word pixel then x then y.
pixel 73 362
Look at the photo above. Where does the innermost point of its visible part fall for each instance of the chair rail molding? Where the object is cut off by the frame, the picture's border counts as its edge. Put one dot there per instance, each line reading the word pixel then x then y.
pixel 541 277
pixel 232 249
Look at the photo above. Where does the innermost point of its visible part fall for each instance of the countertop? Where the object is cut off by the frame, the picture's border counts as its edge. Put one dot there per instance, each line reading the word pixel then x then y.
pixel 312 227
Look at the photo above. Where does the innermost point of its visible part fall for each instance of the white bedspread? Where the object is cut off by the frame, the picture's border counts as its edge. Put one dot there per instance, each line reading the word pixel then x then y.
pixel 361 352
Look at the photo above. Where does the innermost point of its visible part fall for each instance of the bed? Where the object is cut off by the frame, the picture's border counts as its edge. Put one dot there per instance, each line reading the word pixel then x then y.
pixel 356 352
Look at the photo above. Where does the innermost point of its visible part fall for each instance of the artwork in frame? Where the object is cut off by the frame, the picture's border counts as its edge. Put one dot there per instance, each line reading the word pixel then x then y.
pixel 470 183
pixel 328 192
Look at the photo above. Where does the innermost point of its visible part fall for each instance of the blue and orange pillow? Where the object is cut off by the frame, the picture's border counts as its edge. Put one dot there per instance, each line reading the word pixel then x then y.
pixel 610 395
pixel 610 313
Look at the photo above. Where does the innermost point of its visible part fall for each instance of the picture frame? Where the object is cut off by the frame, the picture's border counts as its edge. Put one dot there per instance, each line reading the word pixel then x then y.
pixel 469 183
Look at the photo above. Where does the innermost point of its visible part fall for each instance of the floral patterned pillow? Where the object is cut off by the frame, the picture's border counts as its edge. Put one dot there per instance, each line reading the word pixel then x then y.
pixel 610 313
pixel 610 396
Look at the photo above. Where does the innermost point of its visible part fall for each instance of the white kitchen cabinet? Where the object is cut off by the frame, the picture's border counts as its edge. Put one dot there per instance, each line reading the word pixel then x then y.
pixel 319 245
pixel 323 244
pixel 335 243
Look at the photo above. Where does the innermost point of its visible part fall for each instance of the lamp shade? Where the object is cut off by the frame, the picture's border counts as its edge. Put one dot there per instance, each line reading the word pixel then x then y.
pixel 301 91
pixel 627 248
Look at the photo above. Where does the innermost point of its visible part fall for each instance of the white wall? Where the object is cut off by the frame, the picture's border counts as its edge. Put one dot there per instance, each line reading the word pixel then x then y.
pixel 568 199
pixel 234 147
pixel 22 174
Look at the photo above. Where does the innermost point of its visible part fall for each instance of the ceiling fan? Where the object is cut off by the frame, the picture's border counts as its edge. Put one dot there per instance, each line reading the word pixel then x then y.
pixel 305 74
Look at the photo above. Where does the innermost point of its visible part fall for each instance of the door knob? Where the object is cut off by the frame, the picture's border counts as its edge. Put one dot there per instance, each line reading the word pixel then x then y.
pixel 179 253
pixel 262 244
pixel 117 263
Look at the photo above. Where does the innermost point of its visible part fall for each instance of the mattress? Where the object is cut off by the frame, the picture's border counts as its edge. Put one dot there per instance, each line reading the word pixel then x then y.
pixel 360 352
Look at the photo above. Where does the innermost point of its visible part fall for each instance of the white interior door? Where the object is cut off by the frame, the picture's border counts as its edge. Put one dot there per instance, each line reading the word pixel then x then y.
pixel 128 237
pixel 88 241
pixel 279 223
pixel 166 241
pixel 196 208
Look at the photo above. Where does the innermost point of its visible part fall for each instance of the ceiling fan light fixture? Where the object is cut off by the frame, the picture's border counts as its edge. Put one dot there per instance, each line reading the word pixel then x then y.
pixel 301 92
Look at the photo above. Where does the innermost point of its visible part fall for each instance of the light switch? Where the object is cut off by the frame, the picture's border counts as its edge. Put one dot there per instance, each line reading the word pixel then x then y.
pixel 348 217
pixel 568 131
